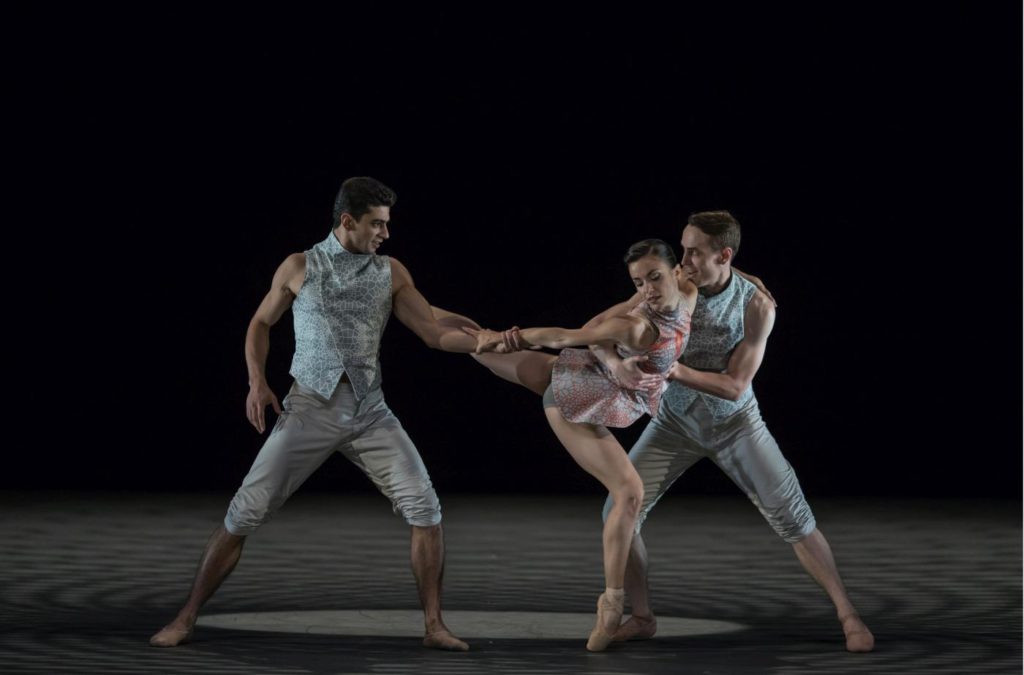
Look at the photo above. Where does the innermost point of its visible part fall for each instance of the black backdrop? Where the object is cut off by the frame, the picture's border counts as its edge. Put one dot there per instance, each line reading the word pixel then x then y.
pixel 169 166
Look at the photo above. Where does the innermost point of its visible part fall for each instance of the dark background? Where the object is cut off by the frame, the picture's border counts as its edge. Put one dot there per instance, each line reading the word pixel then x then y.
pixel 170 161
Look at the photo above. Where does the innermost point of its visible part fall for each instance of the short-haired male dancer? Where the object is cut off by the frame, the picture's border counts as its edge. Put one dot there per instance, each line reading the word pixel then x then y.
pixel 709 410
pixel 341 294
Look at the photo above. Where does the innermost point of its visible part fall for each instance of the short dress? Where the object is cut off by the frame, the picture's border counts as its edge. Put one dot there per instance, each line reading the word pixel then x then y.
pixel 585 391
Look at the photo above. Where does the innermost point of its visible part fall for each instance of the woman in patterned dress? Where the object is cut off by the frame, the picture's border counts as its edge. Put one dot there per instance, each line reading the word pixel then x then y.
pixel 582 398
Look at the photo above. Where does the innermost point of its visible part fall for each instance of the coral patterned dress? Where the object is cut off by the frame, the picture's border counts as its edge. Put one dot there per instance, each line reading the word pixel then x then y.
pixel 585 390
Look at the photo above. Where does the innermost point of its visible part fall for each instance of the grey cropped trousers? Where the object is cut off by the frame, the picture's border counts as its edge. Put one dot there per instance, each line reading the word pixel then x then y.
pixel 308 431
pixel 740 445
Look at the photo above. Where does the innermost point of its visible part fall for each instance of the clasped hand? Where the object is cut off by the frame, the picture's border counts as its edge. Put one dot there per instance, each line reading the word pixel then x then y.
pixel 487 340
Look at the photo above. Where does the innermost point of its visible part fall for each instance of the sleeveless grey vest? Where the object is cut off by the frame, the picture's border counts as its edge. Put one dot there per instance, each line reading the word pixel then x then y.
pixel 340 315
pixel 715 329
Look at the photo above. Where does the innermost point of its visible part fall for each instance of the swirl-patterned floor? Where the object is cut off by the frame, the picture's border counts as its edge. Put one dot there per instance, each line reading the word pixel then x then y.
pixel 85 580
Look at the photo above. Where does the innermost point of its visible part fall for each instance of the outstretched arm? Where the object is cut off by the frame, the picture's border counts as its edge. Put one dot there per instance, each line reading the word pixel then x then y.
pixel 745 360
pixel 629 330
pixel 286 284
pixel 413 310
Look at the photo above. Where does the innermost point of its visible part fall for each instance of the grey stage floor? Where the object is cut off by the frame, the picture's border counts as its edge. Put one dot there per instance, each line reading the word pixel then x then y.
pixel 86 578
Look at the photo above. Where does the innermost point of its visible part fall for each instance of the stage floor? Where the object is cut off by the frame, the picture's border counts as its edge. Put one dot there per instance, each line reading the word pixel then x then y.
pixel 85 579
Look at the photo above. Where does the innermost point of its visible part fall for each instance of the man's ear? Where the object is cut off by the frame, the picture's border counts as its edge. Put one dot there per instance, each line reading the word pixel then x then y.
pixel 725 255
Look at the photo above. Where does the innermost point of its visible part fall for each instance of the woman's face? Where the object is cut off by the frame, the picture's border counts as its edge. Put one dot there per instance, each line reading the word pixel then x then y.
pixel 656 282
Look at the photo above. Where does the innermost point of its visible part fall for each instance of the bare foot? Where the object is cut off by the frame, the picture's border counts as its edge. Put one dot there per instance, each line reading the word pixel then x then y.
pixel 172 635
pixel 858 637
pixel 443 639
pixel 636 628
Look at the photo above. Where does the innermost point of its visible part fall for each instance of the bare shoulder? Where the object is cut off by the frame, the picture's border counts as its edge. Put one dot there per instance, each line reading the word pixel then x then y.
pixel 291 273
pixel 400 277
pixel 294 263
pixel 399 272
pixel 760 302
pixel 760 310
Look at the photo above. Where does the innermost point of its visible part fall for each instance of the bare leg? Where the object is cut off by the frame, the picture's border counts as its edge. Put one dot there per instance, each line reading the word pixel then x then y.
pixel 222 553
pixel 816 557
pixel 600 455
pixel 529 369
pixel 427 555
pixel 641 624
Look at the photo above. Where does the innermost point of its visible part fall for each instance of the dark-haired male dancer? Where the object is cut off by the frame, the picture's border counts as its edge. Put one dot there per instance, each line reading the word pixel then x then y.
pixel 341 294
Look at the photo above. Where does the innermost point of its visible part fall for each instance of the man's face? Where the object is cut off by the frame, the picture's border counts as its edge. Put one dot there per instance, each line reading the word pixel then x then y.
pixel 369 232
pixel 700 258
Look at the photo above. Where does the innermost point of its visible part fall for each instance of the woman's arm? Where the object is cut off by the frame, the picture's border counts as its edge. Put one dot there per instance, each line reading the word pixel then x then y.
pixel 628 330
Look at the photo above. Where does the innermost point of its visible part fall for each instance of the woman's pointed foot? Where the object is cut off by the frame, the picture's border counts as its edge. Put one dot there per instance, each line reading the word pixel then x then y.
pixel 609 614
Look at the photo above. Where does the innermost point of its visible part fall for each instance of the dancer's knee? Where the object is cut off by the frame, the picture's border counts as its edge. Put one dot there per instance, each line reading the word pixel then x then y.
pixel 249 509
pixel 795 531
pixel 629 496
pixel 418 505
pixel 792 520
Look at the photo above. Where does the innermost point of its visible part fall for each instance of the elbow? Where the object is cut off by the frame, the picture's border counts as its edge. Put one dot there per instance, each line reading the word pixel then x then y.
pixel 737 390
pixel 257 327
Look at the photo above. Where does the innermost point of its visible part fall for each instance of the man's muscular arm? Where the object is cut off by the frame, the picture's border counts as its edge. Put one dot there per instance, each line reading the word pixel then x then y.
pixel 628 330
pixel 413 310
pixel 286 284
pixel 745 360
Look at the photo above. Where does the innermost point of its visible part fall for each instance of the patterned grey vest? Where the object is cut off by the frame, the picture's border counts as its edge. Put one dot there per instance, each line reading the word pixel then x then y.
pixel 340 315
pixel 715 329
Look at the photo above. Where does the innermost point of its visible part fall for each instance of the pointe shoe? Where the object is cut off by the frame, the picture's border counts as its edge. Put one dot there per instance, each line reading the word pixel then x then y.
pixel 609 614
pixel 169 636
pixel 636 629
pixel 859 639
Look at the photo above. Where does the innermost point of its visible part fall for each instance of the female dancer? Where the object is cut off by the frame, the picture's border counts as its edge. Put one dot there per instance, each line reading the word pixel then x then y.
pixel 582 398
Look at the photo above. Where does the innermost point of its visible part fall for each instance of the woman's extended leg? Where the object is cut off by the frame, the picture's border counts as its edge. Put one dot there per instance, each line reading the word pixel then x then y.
pixel 529 369
pixel 596 450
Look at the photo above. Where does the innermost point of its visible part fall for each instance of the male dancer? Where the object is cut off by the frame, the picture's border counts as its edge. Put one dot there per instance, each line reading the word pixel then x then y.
pixel 709 410
pixel 341 294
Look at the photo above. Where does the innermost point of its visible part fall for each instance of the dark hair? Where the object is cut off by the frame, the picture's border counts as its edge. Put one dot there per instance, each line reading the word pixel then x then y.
pixel 654 247
pixel 721 226
pixel 357 195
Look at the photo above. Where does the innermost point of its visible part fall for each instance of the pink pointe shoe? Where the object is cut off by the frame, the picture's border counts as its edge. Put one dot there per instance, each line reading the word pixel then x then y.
pixel 609 614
